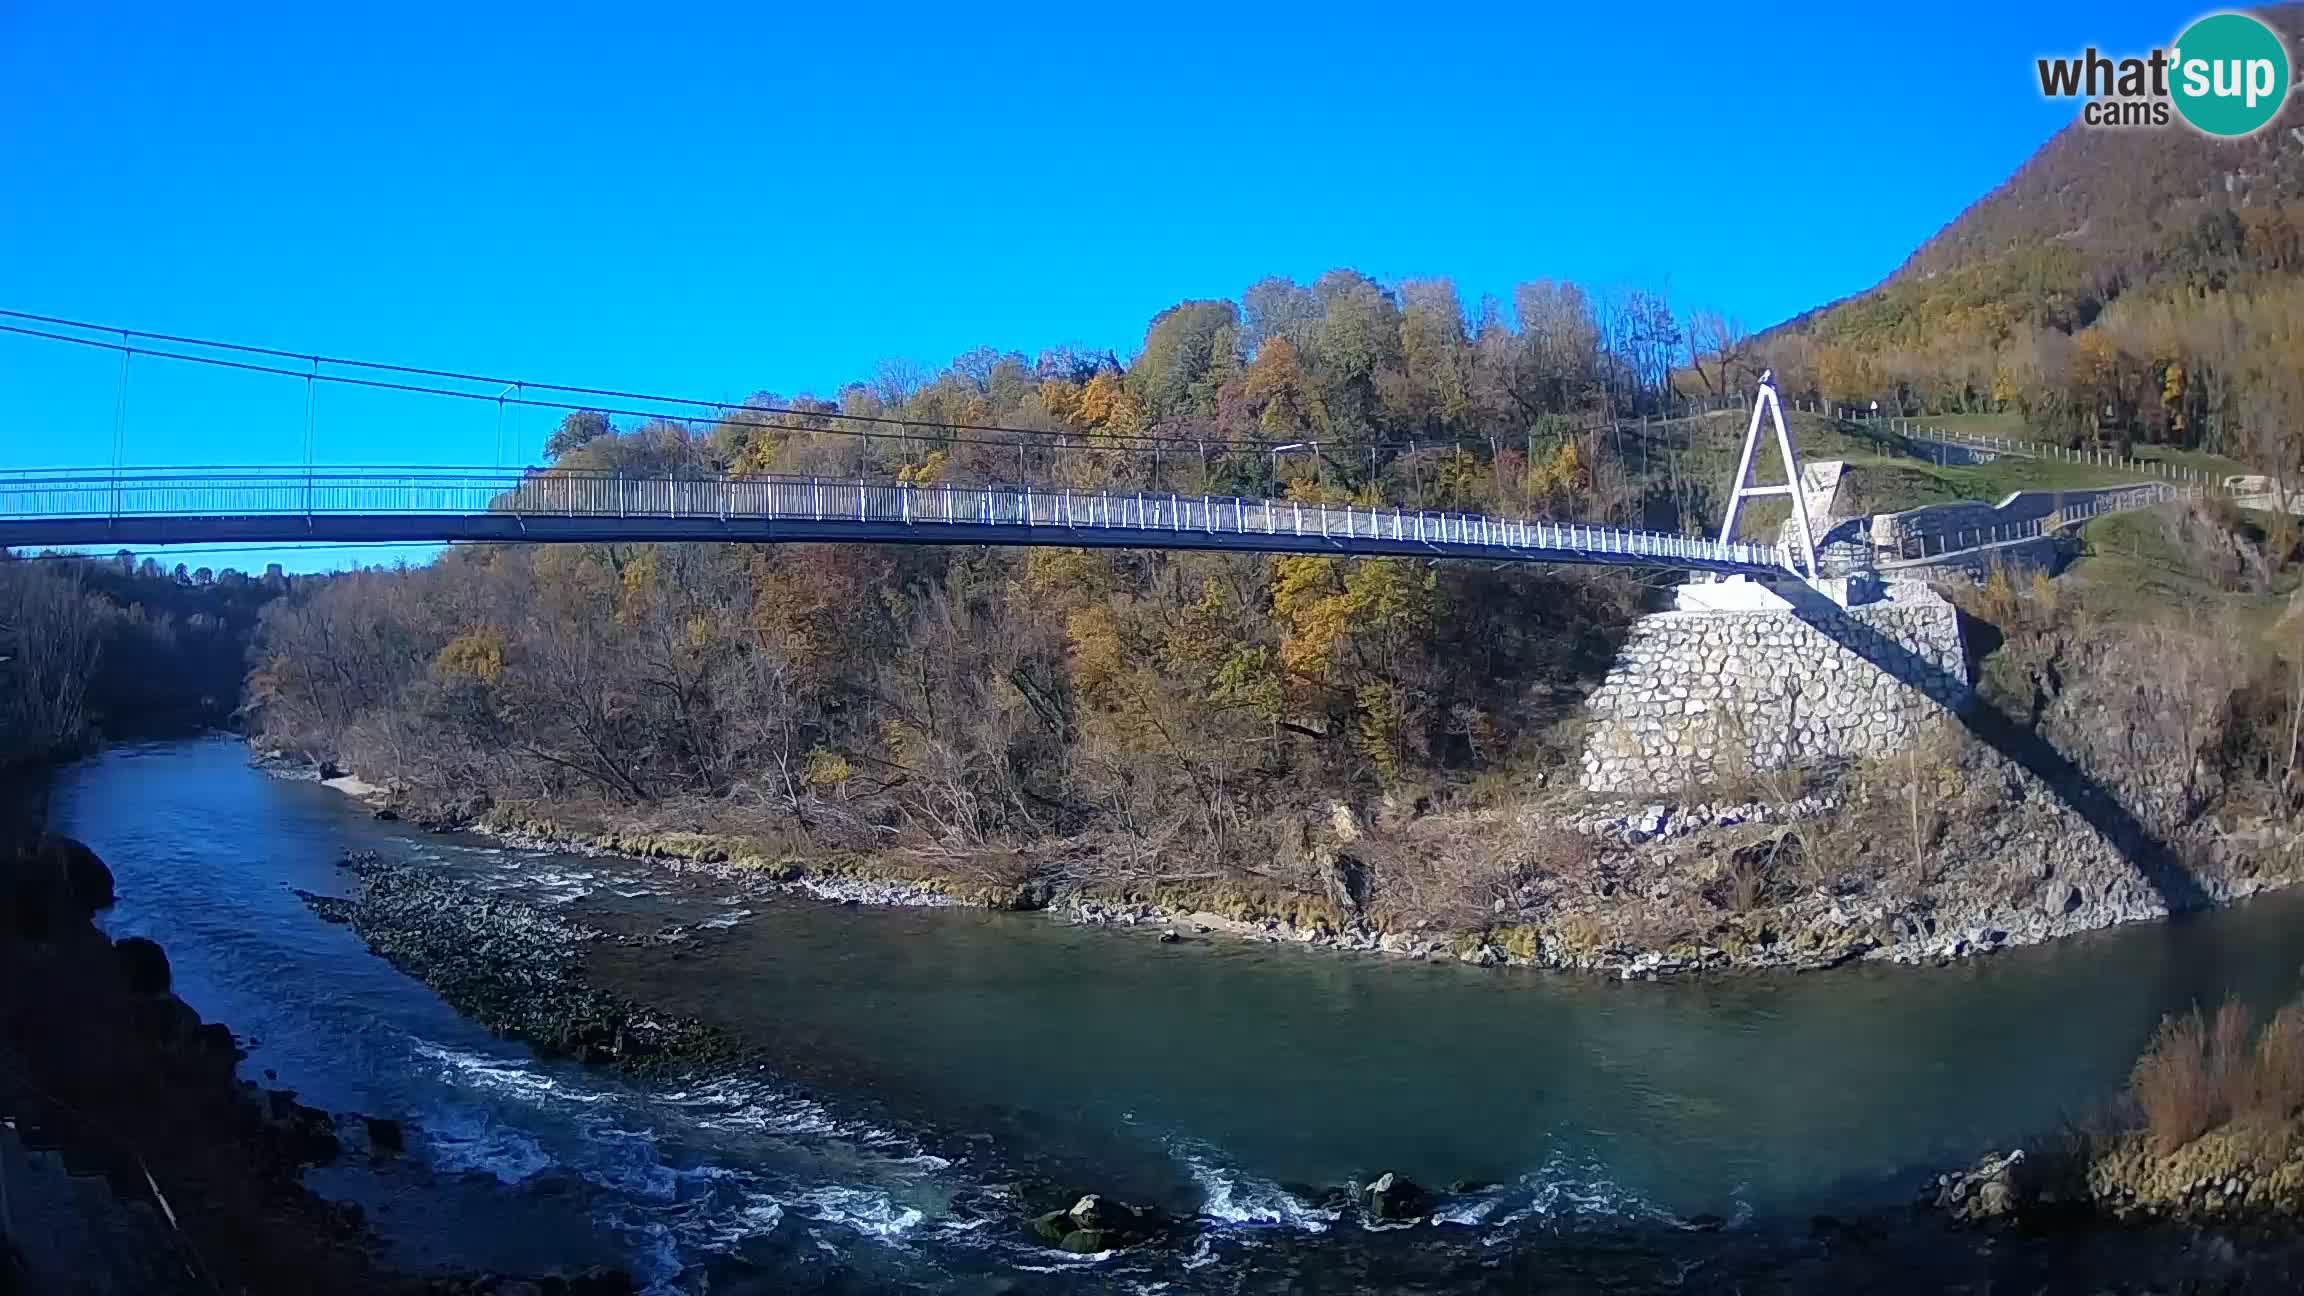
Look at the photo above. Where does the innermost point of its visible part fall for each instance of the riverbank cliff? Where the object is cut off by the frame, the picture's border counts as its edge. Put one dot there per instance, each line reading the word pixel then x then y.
pixel 134 1158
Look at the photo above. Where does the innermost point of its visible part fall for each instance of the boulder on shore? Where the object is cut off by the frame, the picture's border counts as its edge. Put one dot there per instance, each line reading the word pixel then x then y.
pixel 1991 1192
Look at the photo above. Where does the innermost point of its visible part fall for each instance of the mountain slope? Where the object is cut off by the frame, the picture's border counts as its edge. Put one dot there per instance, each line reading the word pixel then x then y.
pixel 2141 283
pixel 2116 192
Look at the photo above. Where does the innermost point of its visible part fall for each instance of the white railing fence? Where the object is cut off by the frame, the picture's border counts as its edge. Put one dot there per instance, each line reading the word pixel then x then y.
pixel 213 493
pixel 2067 512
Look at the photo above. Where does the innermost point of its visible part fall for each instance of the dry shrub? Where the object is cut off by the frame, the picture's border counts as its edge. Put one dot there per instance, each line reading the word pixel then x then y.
pixel 2008 598
pixel 1782 785
pixel 2215 541
pixel 1897 806
pixel 2230 1059
pixel 1756 871
pixel 1739 770
pixel 2182 1083
pixel 1446 877
pixel 2276 1083
pixel 1734 773
pixel 1558 852
pixel 2170 1083
pixel 991 868
pixel 2199 1073
pixel 2046 595
pixel 1996 599
pixel 1453 880
pixel 1747 877
pixel 1447 890
pixel 2262 729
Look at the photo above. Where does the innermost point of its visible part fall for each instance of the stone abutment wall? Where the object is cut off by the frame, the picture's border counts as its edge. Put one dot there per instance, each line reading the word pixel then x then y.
pixel 1698 697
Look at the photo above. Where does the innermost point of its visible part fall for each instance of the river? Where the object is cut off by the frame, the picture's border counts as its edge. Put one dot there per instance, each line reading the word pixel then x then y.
pixel 933 1059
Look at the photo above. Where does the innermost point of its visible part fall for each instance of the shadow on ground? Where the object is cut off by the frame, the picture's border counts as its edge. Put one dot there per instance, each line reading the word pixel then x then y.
pixel 2153 859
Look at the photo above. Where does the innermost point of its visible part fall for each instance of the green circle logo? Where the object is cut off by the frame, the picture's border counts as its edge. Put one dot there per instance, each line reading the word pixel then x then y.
pixel 2228 74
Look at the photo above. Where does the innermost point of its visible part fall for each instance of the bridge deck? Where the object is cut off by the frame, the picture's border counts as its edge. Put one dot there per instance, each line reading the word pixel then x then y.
pixel 427 505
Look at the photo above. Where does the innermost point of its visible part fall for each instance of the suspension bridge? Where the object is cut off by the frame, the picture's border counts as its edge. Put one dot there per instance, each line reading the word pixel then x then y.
pixel 152 505
pixel 160 505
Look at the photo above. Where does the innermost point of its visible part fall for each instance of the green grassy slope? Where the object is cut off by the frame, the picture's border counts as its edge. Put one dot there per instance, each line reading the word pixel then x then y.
pixel 2134 566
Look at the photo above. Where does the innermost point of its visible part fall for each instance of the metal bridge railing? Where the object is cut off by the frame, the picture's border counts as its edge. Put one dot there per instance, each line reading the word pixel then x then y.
pixel 238 492
pixel 2080 508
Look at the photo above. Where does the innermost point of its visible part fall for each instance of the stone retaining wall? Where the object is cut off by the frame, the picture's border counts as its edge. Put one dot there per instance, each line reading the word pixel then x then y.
pixel 1697 697
pixel 1890 531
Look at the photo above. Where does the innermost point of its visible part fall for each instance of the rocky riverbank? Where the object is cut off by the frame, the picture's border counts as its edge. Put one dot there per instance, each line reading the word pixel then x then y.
pixel 134 1158
pixel 1956 852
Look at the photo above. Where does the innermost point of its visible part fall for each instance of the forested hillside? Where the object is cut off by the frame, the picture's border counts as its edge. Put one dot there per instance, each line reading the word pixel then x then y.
pixel 868 697
pixel 2123 285
pixel 113 648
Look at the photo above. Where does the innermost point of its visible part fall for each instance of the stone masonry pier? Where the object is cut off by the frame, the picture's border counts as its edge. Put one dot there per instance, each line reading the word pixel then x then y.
pixel 1747 684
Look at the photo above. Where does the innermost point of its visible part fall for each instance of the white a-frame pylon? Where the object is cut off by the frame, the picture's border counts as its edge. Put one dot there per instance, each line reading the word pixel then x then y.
pixel 1767 403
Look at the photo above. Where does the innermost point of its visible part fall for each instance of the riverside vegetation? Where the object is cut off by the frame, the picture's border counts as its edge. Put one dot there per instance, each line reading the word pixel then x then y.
pixel 1378 754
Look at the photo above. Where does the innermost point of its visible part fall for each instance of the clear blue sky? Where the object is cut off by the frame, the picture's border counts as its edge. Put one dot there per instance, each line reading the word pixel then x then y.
pixel 724 199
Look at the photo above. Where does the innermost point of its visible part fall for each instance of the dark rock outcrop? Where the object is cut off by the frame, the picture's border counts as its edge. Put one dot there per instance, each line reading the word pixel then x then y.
pixel 144 965
pixel 588 1282
pixel 104 1070
pixel 84 876
pixel 103 1067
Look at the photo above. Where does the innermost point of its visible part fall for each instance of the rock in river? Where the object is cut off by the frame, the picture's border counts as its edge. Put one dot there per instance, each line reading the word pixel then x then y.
pixel 1096 1224
pixel 1395 1197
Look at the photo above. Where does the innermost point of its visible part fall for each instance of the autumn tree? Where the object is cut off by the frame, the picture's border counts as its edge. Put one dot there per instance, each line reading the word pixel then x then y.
pixel 577 430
